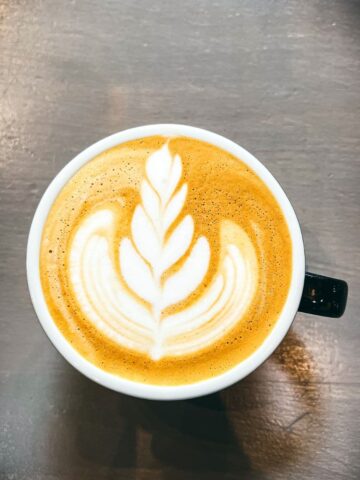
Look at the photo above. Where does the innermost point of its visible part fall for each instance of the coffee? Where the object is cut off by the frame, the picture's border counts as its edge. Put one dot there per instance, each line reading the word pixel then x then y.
pixel 165 260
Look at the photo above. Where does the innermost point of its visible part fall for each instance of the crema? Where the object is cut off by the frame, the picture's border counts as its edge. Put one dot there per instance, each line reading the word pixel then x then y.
pixel 165 260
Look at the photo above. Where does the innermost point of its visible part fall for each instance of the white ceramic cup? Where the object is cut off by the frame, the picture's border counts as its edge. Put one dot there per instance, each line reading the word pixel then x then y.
pixel 156 392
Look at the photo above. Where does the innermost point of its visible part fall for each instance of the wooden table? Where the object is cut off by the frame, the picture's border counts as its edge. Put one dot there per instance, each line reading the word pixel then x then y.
pixel 282 79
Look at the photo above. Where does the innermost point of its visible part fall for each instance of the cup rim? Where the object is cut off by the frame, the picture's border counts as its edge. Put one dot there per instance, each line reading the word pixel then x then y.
pixel 164 392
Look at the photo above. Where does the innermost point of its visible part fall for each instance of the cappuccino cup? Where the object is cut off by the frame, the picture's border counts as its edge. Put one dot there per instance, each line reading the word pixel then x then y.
pixel 166 262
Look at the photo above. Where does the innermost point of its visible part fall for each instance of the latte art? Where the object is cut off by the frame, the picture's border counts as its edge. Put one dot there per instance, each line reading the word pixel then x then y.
pixel 165 261
pixel 158 240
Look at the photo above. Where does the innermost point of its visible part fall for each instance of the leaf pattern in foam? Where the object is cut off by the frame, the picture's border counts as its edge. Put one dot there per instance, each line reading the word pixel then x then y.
pixel 182 283
pixel 177 244
pixel 145 237
pixel 150 252
pixel 164 173
pixel 174 207
pixel 151 202
pixel 136 272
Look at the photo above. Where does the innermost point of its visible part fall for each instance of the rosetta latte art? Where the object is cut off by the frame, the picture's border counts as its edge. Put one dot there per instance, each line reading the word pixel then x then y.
pixel 130 307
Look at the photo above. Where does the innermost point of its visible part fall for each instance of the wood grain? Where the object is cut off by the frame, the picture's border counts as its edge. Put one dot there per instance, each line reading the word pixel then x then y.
pixel 281 78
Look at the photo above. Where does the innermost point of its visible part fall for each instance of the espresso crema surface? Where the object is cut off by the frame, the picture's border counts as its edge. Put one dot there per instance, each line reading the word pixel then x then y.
pixel 165 261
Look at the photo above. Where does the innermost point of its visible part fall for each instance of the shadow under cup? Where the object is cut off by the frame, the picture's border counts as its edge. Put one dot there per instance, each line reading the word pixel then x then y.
pixel 322 295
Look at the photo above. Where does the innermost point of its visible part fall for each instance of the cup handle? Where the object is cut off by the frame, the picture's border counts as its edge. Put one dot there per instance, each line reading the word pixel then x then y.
pixel 323 296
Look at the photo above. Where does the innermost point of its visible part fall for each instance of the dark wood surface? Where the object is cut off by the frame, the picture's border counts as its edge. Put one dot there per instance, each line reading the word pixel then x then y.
pixel 282 79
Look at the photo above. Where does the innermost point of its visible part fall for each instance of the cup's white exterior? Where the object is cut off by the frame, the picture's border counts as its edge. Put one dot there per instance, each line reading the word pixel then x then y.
pixel 153 391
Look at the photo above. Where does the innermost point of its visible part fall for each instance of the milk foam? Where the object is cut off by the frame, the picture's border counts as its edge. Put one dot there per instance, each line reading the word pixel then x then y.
pixel 129 308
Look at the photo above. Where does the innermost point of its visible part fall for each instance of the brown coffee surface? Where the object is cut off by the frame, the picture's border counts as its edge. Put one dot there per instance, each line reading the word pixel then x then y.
pixel 223 196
